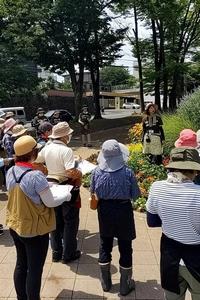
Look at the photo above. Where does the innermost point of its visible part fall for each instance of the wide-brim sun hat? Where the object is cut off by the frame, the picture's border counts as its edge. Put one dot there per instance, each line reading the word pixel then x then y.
pixel 25 144
pixel 9 114
pixel 112 156
pixel 60 130
pixel 18 130
pixel 187 138
pixel 9 124
pixel 184 159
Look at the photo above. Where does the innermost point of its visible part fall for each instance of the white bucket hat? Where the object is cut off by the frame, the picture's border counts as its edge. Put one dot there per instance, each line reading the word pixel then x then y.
pixel 113 156
pixel 60 130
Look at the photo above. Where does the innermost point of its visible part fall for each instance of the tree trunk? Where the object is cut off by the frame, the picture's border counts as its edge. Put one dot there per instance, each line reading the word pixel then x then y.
pixel 140 70
pixel 157 66
pixel 165 90
pixel 95 85
pixel 77 86
pixel 95 76
pixel 173 93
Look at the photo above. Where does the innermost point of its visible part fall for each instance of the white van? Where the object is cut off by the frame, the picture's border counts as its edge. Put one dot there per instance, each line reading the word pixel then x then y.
pixel 19 113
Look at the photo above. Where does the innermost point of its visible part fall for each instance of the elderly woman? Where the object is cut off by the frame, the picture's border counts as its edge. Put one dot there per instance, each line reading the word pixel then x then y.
pixel 153 134
pixel 115 185
pixel 174 204
pixel 30 217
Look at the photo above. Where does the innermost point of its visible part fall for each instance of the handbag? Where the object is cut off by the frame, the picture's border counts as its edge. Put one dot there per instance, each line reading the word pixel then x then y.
pixel 93 202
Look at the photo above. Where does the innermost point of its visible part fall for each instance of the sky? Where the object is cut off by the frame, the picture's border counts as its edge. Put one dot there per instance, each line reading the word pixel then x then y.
pixel 127 58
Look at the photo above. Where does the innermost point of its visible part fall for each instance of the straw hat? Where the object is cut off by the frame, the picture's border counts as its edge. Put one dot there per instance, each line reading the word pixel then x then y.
pixel 187 138
pixel 2 121
pixel 18 130
pixel 113 156
pixel 25 144
pixel 60 130
pixel 9 124
pixel 184 159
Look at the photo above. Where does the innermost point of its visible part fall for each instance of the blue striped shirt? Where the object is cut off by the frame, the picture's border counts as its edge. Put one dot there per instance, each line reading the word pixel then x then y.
pixel 178 206
pixel 120 184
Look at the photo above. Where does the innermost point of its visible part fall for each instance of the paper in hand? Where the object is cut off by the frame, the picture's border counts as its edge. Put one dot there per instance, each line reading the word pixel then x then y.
pixel 85 166
pixel 61 191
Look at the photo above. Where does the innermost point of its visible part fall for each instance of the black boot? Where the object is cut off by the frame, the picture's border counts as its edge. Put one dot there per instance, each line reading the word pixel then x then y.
pixel 126 283
pixel 105 277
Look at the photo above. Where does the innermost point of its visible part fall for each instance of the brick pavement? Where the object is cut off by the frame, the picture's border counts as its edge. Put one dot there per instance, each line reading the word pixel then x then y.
pixel 80 279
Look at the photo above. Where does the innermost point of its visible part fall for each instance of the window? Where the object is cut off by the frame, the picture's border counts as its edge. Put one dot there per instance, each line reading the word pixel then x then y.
pixel 20 112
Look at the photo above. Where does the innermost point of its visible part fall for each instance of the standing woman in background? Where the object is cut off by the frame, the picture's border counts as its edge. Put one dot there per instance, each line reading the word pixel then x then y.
pixel 153 134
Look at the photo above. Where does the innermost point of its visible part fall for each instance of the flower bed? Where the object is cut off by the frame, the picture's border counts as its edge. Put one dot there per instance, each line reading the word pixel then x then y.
pixel 145 172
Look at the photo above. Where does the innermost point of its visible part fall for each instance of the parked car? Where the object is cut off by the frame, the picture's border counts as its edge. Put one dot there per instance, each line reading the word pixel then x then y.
pixel 130 105
pixel 19 113
pixel 64 115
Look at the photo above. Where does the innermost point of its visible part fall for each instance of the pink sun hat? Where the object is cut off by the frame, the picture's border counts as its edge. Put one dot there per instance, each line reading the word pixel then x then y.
pixel 187 138
pixel 9 124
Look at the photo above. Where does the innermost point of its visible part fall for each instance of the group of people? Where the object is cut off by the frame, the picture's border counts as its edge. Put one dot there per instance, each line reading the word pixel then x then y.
pixel 34 212
pixel 84 120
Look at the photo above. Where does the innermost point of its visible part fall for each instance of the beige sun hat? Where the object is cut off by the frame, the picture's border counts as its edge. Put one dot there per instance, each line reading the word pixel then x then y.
pixel 2 121
pixel 60 130
pixel 25 144
pixel 9 114
pixel 18 130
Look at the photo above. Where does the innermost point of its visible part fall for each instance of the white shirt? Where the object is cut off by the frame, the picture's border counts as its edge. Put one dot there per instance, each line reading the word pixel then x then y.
pixel 178 206
pixel 58 158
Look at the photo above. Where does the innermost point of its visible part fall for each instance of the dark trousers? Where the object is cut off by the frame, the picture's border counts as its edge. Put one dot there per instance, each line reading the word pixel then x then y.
pixel 155 159
pixel 125 250
pixel 64 238
pixel 31 255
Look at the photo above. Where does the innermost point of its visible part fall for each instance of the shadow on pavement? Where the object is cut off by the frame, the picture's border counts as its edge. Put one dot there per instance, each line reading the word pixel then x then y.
pixel 6 239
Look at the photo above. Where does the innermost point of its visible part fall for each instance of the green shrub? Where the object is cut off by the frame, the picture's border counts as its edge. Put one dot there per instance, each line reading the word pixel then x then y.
pixel 173 125
pixel 189 110
pixel 86 180
pixel 146 173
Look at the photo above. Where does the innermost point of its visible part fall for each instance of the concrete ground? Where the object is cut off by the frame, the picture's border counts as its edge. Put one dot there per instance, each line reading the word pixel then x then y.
pixel 80 279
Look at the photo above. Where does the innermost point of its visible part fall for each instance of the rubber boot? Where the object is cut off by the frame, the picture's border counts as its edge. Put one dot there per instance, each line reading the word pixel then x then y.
pixel 105 277
pixel 83 140
pixel 89 140
pixel 127 284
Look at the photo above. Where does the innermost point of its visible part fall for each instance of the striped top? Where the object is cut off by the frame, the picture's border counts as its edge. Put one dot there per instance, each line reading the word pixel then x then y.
pixel 178 206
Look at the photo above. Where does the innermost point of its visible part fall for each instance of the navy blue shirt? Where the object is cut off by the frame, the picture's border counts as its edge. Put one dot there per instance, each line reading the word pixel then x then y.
pixel 120 184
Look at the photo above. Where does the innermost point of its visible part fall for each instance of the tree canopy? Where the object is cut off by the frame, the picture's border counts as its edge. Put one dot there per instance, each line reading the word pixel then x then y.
pixel 59 35
pixel 114 75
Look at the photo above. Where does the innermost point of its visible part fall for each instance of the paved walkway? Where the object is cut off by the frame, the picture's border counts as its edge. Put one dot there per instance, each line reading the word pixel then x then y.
pixel 80 279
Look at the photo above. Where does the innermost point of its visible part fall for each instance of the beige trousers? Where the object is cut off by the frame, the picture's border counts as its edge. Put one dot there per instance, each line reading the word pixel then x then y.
pixel 186 281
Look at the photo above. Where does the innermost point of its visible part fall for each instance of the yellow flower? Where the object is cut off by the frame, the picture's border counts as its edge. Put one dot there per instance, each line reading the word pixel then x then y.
pixel 135 148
